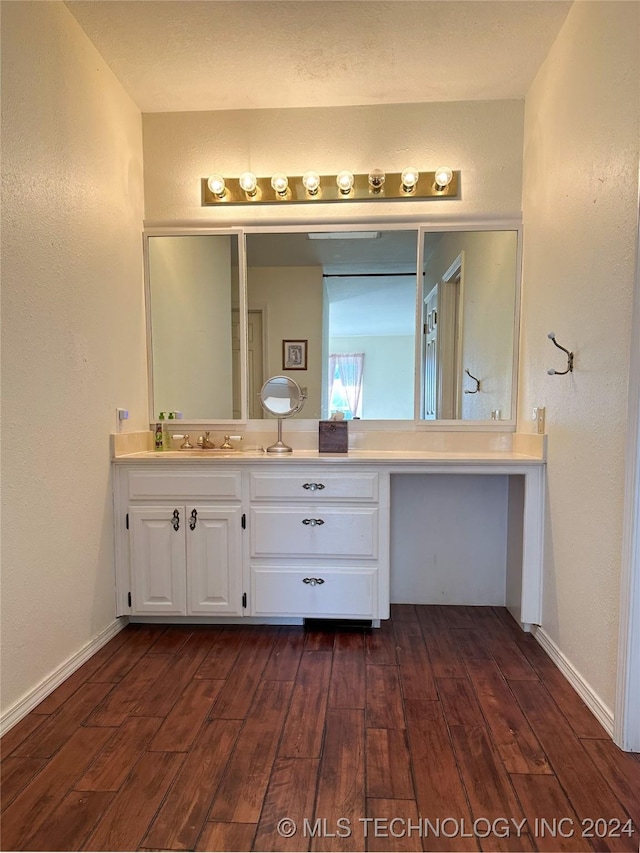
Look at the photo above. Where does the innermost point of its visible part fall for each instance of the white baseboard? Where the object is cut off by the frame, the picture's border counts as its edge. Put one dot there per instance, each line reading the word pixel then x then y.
pixel 35 696
pixel 216 620
pixel 601 712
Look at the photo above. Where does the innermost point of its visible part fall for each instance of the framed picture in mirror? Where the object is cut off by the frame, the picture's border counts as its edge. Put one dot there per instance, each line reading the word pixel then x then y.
pixel 294 355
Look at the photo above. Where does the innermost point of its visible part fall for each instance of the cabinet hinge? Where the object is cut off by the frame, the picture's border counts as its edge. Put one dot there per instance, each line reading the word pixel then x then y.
pixel 244 599
pixel 244 521
pixel 127 521
pixel 129 599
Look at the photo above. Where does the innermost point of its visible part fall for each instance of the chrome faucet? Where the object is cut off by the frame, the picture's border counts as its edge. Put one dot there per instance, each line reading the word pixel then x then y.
pixel 204 442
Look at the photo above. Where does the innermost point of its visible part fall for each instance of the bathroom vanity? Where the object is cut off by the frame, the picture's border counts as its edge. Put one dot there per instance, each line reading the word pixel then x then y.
pixel 432 359
pixel 207 537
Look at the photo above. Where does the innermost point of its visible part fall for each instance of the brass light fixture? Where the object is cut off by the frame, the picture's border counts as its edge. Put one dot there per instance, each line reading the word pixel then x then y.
pixel 249 185
pixel 280 183
pixel 410 178
pixel 345 186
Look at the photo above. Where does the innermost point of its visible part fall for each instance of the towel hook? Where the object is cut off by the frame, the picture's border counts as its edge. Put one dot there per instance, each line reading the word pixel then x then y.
pixel 477 381
pixel 551 371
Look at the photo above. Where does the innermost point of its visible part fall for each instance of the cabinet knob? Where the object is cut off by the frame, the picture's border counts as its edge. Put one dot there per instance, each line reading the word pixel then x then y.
pixel 313 581
pixel 194 519
pixel 312 522
pixel 312 487
pixel 176 520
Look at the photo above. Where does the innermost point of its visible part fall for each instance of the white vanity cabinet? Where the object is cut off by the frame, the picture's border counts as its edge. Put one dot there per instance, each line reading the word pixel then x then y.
pixel 182 542
pixel 266 539
pixel 269 540
pixel 318 543
pixel 186 559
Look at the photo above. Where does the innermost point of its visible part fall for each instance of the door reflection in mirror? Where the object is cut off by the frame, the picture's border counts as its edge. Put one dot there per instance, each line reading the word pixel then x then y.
pixel 469 314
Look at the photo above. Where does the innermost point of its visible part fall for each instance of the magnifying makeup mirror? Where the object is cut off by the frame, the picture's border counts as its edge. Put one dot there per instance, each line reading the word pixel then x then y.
pixel 282 397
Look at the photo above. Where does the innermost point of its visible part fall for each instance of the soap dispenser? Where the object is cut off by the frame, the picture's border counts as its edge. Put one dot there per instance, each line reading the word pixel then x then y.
pixel 166 433
pixel 158 436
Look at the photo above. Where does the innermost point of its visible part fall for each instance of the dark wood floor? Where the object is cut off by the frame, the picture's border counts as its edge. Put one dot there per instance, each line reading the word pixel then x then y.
pixel 181 739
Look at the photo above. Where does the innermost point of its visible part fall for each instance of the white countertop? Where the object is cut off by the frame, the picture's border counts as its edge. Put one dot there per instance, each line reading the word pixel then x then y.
pixel 369 457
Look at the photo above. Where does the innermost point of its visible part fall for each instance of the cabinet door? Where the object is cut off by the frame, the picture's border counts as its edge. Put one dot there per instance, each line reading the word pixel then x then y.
pixel 158 567
pixel 214 575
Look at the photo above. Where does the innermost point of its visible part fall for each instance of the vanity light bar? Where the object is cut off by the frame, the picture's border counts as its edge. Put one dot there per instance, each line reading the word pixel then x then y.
pixel 374 186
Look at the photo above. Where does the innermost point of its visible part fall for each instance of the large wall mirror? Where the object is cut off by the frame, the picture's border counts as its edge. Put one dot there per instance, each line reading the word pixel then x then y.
pixel 376 323
pixel 469 301
pixel 352 296
pixel 193 312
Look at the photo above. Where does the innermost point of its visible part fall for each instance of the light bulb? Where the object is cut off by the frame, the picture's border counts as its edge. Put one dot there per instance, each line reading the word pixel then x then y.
pixel 376 179
pixel 409 179
pixel 311 182
pixel 443 177
pixel 248 182
pixel 280 183
pixel 216 185
pixel 344 180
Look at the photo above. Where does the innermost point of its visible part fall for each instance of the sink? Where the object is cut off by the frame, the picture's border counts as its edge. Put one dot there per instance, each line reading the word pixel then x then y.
pixel 211 452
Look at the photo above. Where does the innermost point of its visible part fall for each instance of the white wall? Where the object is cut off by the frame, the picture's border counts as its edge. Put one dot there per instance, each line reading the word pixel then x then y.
pixel 449 539
pixel 293 296
pixel 481 138
pixel 388 377
pixel 580 208
pixel 73 333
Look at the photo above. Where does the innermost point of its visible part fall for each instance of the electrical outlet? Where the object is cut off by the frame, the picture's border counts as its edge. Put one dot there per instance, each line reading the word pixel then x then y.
pixel 540 419
pixel 121 415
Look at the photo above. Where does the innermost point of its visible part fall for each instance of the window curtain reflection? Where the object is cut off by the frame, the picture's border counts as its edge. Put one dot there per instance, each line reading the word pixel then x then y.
pixel 347 369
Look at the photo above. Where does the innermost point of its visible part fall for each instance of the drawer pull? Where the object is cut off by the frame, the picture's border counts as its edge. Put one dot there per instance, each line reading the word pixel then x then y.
pixel 312 522
pixel 313 581
pixel 176 520
pixel 312 487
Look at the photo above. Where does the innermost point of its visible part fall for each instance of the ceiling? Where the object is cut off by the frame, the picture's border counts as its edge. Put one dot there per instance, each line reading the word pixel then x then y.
pixel 177 55
pixel 387 251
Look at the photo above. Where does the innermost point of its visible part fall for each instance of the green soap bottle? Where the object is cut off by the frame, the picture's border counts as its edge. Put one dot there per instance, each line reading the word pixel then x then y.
pixel 166 434
pixel 158 437
pixel 163 431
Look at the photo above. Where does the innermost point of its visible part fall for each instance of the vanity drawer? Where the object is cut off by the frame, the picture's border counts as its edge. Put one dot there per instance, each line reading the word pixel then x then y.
pixel 335 593
pixel 314 531
pixel 220 485
pixel 314 485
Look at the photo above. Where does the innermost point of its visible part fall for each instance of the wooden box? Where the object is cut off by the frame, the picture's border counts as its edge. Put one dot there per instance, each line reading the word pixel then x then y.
pixel 333 437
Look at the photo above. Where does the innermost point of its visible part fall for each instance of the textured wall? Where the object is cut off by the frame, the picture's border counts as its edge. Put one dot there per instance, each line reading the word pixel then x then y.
pixel 481 138
pixel 73 333
pixel 580 200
